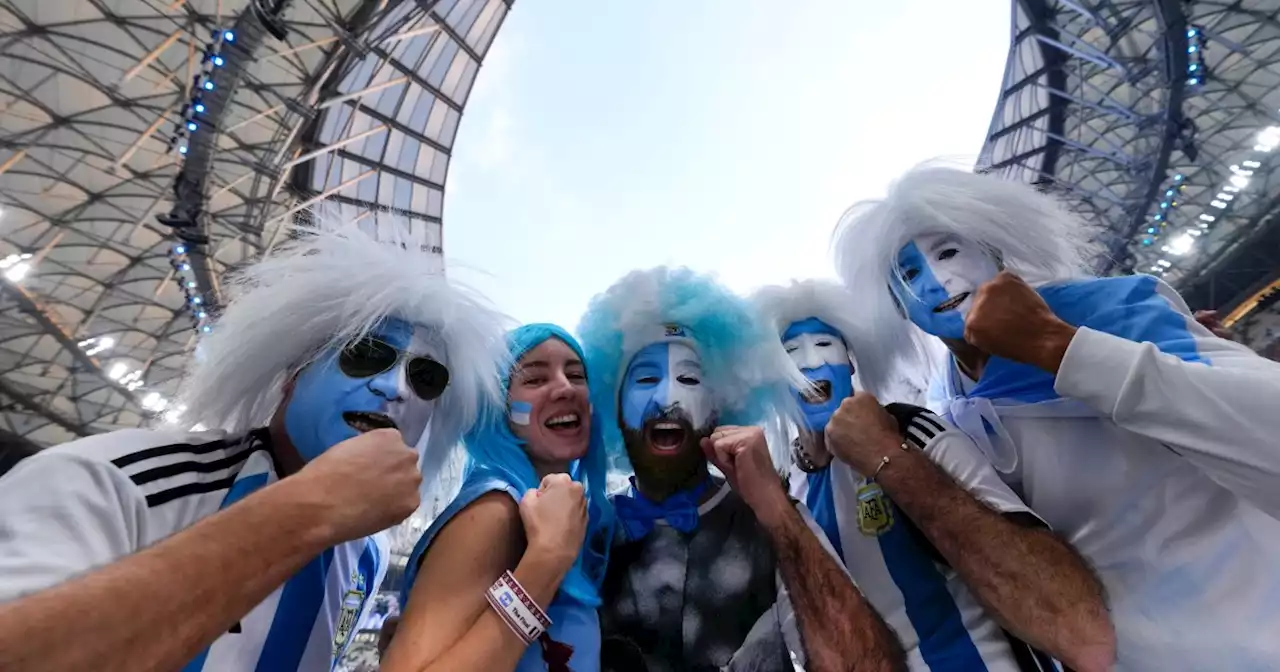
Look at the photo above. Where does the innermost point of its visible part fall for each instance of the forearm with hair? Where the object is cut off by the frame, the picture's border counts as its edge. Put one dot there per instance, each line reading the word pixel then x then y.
pixel 158 608
pixel 839 628
pixel 1031 581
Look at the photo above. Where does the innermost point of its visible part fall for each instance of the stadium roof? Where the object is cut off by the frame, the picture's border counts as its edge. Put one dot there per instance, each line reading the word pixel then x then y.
pixel 1159 120
pixel 149 146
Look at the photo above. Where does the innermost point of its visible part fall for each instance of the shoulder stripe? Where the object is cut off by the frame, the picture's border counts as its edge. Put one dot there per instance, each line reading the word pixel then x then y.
pixel 930 419
pixel 191 466
pixel 166 496
pixel 172 449
pixel 1029 658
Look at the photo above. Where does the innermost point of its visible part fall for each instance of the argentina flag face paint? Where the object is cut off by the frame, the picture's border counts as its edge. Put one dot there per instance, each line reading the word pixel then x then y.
pixel 820 352
pixel 663 396
pixel 941 272
pixel 328 406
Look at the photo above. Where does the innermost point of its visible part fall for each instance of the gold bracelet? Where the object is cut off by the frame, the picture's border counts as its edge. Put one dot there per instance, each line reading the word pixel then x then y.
pixel 884 461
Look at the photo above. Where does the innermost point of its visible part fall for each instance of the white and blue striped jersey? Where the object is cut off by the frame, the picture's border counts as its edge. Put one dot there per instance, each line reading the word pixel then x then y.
pixel 940 623
pixel 90 502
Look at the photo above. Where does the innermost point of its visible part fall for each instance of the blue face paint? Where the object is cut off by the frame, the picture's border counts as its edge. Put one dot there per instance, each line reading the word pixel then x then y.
pixel 322 393
pixel 660 377
pixel 942 272
pixel 820 352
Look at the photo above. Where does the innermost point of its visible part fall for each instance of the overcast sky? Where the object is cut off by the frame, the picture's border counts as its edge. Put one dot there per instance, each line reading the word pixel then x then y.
pixel 726 136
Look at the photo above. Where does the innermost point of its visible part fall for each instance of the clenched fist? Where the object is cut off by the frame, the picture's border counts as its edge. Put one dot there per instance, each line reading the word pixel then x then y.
pixel 742 453
pixel 1009 319
pixel 861 433
pixel 555 518
pixel 370 481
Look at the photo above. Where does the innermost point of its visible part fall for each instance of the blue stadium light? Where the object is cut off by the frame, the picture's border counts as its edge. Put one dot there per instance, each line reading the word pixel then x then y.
pixel 1164 204
pixel 180 249
pixel 182 149
pixel 217 61
pixel 196 300
pixel 202 314
pixel 1192 49
pixel 1192 67
pixel 206 329
pixel 208 85
pixel 191 126
pixel 199 107
pixel 1168 192
pixel 185 267
pixel 1151 230
pixel 1193 81
pixel 229 36
pixel 191 284
pixel 1191 32
pixel 1159 217
pixel 1177 178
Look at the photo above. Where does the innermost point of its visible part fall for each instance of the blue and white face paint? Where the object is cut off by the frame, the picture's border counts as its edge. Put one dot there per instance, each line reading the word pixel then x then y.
pixel 941 272
pixel 326 402
pixel 820 353
pixel 662 379
pixel 520 412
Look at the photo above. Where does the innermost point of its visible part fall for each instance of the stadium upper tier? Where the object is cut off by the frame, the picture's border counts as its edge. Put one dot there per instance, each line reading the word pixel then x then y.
pixel 1158 120
pixel 149 146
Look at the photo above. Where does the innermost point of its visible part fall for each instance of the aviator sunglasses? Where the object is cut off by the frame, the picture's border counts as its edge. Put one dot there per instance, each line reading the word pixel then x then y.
pixel 369 357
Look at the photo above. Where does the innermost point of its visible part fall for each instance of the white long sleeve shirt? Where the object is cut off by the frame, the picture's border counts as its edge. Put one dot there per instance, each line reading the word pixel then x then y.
pixel 1156 453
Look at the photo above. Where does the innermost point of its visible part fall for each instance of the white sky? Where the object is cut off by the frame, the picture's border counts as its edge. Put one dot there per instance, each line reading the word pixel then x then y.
pixel 725 136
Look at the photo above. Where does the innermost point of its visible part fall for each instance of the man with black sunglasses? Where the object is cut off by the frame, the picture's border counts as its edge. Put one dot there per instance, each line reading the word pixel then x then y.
pixel 257 544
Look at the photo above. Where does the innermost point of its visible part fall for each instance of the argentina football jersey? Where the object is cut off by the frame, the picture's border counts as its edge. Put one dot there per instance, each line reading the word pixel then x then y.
pixel 159 483
pixel 940 623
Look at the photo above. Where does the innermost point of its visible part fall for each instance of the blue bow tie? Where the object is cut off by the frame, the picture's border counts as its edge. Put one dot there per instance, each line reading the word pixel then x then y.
pixel 638 513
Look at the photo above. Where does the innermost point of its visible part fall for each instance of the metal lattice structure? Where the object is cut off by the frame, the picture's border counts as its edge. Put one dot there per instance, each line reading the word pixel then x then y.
pixel 1158 120
pixel 119 216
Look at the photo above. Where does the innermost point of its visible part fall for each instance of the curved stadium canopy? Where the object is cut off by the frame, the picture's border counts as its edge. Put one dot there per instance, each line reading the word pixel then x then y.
pixel 1159 120
pixel 150 146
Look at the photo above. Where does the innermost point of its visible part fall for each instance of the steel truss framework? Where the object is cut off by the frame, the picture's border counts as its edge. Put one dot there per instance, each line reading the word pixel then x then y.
pixel 97 332
pixel 1150 117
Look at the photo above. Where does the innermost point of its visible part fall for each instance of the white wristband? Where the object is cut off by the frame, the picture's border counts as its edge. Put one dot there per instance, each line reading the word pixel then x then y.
pixel 517 609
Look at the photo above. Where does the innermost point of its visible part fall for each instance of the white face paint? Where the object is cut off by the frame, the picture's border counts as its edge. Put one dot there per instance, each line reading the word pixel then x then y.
pixel 660 377
pixel 942 272
pixel 412 414
pixel 812 351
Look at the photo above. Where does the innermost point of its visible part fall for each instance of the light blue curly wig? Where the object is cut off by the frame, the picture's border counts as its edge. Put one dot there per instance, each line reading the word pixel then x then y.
pixel 491 446
pixel 748 375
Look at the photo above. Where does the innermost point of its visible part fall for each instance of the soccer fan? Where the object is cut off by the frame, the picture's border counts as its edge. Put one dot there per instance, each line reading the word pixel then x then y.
pixel 1144 440
pixel 924 525
pixel 517 527
pixel 251 545
pixel 704 574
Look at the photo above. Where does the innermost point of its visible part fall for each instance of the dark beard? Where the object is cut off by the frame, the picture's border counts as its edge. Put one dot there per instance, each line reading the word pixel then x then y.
pixel 662 474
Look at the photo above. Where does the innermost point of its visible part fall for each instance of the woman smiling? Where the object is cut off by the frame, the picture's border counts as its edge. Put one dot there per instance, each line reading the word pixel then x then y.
pixel 505 566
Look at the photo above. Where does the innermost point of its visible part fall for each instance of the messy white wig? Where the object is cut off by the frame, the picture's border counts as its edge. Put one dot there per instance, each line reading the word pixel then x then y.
pixel 1033 235
pixel 325 289
pixel 749 376
pixel 780 306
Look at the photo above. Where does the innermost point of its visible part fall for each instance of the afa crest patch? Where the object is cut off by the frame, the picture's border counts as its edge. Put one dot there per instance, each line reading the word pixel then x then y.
pixel 875 511
pixel 352 603
pixel 673 331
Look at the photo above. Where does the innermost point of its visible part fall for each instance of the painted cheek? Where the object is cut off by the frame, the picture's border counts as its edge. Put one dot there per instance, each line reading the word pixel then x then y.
pixel 521 412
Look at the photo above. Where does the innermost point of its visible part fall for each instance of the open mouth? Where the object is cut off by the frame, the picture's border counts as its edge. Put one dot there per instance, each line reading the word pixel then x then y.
pixel 951 303
pixel 566 422
pixel 666 437
pixel 819 393
pixel 367 422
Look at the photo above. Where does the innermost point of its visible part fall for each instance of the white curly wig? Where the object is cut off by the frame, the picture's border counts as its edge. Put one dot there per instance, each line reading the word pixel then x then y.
pixel 1033 234
pixel 324 289
pixel 748 375
pixel 780 306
